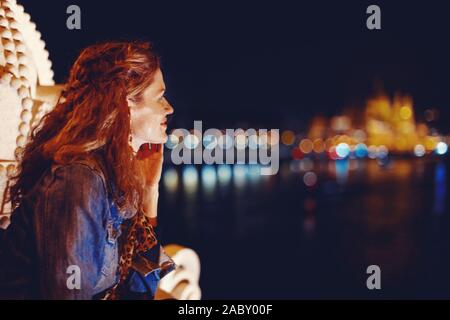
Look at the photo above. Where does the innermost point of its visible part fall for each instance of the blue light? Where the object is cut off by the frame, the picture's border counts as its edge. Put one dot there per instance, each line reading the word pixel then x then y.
pixel 191 141
pixel 342 150
pixel 224 174
pixel 254 172
pixel 190 178
pixel 210 142
pixel 440 189
pixel 361 150
pixel 382 152
pixel 342 168
pixel 441 148
pixel 172 141
pixel 209 176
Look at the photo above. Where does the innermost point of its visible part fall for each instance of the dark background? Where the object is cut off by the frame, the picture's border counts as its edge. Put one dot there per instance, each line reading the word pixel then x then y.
pixel 269 63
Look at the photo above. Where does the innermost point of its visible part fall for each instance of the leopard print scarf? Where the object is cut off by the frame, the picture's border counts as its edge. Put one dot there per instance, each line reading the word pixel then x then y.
pixel 140 237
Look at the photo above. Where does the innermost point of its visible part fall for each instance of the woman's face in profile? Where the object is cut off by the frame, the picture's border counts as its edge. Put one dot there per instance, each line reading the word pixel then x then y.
pixel 148 115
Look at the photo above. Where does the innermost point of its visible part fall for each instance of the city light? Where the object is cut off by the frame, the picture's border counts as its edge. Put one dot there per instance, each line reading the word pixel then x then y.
pixel 372 150
pixel 224 174
pixel 254 172
pixel 306 165
pixel 419 150
pixel 297 153
pixel 382 152
pixel 441 148
pixel 170 179
pixel 209 142
pixel 318 146
pixel 405 113
pixel 239 175
pixel 191 141
pixel 342 150
pixel 209 177
pixel 190 178
pixel 288 137
pixel 310 179
pixel 361 150
pixel 306 146
pixel 172 141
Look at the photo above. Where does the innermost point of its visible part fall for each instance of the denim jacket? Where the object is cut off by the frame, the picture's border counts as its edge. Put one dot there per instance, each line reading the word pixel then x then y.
pixel 62 242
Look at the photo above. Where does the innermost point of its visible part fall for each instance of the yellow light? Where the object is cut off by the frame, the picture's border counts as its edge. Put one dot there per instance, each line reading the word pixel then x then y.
pixel 401 144
pixel 306 146
pixel 318 146
pixel 430 143
pixel 405 113
pixel 288 137
pixel 406 127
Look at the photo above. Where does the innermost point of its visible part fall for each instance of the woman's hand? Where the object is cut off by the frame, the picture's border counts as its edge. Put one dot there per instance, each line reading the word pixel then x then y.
pixel 150 160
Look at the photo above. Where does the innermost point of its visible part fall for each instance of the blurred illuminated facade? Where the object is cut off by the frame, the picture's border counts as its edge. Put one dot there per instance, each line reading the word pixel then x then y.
pixel 383 127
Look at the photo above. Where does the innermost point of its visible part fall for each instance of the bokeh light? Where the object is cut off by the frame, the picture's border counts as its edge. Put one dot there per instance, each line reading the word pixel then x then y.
pixel 170 179
pixel 224 174
pixel 405 113
pixel 191 141
pixel 288 137
pixel 190 179
pixel 361 150
pixel 419 150
pixel 239 174
pixel 342 150
pixel 306 146
pixel 209 177
pixel 172 141
pixel 209 141
pixel 441 148
pixel 310 179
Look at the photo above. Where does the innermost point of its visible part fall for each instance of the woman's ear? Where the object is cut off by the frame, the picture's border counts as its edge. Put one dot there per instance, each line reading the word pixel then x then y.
pixel 131 101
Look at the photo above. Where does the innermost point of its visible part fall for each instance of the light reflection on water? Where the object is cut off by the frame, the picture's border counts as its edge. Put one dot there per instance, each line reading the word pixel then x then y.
pixel 356 213
pixel 440 177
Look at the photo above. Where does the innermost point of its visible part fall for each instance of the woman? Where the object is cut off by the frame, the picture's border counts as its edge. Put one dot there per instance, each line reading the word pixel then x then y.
pixel 86 191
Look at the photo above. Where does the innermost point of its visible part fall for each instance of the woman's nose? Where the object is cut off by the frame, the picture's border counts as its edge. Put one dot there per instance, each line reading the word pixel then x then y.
pixel 169 108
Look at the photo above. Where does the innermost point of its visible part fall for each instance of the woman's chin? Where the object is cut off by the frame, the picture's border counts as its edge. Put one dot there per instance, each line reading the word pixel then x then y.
pixel 164 137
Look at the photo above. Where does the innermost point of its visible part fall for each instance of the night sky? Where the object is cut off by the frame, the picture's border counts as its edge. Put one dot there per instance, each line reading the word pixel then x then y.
pixel 271 64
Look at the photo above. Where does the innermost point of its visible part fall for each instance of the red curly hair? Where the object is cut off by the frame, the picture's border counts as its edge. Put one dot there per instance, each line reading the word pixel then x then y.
pixel 92 112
